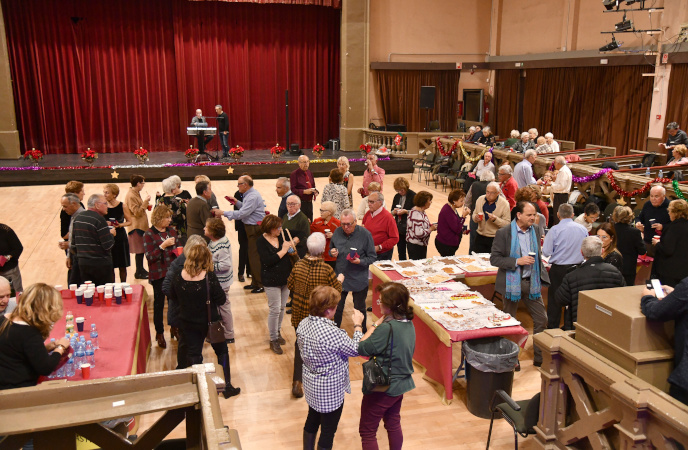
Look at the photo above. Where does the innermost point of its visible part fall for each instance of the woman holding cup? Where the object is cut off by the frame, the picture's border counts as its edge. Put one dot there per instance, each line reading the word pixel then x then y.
pixel 159 243
pixel 326 224
pixel 137 207
pixel 118 217
pixel 418 226
pixel 450 223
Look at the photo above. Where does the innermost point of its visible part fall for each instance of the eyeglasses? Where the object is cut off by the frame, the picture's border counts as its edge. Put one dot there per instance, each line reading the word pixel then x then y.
pixel 373 201
pixel 350 224
pixel 292 204
pixel 325 210
pixel 604 238
pixel 240 183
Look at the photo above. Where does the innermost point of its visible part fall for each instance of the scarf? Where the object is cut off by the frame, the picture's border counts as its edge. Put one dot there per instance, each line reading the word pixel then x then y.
pixel 513 277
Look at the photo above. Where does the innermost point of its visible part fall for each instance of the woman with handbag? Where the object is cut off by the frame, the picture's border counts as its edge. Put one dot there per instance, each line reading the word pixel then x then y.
pixel 199 293
pixel 326 349
pixel 389 343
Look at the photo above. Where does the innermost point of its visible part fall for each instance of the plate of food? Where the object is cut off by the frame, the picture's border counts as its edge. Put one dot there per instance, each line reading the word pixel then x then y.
pixel 500 319
pixel 451 270
pixel 409 273
pixel 406 264
pixel 385 265
pixel 465 259
pixel 474 268
pixel 439 278
pixel 447 261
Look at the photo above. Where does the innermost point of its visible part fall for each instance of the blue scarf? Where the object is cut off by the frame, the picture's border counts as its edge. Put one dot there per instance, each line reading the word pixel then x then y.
pixel 513 277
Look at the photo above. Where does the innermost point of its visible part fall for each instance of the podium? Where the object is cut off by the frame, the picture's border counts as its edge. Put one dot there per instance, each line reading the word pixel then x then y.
pixel 201 134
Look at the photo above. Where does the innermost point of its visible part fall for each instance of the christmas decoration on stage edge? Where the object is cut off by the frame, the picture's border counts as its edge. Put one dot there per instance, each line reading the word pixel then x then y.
pixel 141 154
pixel 89 156
pixel 318 151
pixel 277 151
pixel 236 152
pixel 34 155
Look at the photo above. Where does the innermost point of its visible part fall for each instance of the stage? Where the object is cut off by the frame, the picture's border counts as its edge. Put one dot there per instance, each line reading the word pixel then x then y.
pixel 59 169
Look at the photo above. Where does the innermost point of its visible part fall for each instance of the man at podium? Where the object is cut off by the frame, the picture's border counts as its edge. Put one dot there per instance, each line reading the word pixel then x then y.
pixel 199 121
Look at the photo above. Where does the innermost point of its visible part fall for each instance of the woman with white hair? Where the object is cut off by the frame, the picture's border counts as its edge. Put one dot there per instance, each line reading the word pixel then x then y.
pixel 514 137
pixel 172 188
pixel 554 145
pixel 307 274
pixel 524 144
pixel 348 178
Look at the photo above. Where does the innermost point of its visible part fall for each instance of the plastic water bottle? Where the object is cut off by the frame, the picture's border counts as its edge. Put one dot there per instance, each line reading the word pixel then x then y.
pixel 90 355
pixel 647 172
pixel 94 337
pixel 79 354
pixel 69 368
pixel 661 174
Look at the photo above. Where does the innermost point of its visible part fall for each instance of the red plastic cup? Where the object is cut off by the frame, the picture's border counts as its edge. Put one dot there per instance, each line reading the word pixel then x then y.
pixel 86 371
pixel 178 251
pixel 150 207
pixel 108 299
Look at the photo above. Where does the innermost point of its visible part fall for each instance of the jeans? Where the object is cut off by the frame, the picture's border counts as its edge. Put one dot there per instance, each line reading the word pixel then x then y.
pixel 416 251
pixel 224 140
pixel 376 406
pixel 401 245
pixel 158 305
pixel 327 422
pixel 359 304
pixel 227 318
pixel 277 301
pixel 536 309
pixel 195 334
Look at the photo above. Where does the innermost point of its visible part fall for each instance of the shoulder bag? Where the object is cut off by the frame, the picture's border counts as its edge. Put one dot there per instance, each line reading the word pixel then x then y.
pixel 216 329
pixel 374 378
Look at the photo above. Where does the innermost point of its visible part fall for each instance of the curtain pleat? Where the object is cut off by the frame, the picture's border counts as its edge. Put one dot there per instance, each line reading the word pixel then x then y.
pixel 331 3
pixel 677 107
pixel 506 102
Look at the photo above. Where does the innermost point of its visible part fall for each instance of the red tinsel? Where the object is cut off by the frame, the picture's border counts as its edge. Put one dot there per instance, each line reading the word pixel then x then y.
pixel 441 149
pixel 637 192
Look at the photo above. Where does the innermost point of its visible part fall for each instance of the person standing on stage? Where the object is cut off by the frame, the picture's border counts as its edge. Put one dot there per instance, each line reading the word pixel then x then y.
pixel 303 185
pixel 200 121
pixel 223 130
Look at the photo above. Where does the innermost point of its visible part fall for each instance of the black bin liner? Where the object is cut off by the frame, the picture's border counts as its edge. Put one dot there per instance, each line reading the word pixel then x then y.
pixel 489 366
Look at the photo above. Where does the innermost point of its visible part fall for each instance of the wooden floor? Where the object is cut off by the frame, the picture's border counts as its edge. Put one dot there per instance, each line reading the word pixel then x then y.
pixel 265 414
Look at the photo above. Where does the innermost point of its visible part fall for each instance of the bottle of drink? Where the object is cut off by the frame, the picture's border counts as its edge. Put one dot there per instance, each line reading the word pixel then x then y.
pixel 647 172
pixel 79 354
pixel 69 368
pixel 661 174
pixel 94 337
pixel 90 354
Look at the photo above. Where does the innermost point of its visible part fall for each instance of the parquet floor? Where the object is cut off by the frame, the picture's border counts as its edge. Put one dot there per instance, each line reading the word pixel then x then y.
pixel 265 414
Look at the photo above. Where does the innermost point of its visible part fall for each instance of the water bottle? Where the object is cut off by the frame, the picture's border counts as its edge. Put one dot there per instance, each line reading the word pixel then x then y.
pixel 79 354
pixel 94 337
pixel 90 355
pixel 69 368
pixel 647 172
pixel 661 173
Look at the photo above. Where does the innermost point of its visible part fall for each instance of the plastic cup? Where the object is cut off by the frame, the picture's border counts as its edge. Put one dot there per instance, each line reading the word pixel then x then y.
pixel 481 216
pixel 352 252
pixel 88 298
pixel 150 207
pixel 86 371
pixel 58 287
pixel 118 296
pixel 88 282
pixel 128 294
pixel 178 251
pixel 532 254
pixel 108 299
pixel 80 324
pixel 79 296
pixel 100 290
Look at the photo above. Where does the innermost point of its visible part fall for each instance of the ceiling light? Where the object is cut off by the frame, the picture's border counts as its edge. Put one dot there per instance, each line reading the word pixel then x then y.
pixel 610 4
pixel 624 24
pixel 613 45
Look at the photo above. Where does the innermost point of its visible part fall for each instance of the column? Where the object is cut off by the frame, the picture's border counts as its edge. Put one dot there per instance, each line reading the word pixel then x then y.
pixel 9 136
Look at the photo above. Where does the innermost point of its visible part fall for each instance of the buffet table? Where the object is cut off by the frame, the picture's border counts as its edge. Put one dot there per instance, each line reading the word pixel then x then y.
pixel 434 342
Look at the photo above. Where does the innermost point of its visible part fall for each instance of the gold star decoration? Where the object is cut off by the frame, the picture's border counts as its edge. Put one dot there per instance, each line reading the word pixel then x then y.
pixel 230 169
pixel 114 175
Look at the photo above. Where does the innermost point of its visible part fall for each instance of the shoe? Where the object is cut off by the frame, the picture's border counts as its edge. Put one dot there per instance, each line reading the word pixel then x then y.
pixel 241 279
pixel 161 340
pixel 257 290
pixel 275 347
pixel 140 276
pixel 537 363
pixel 297 389
pixel 288 311
pixel 231 391
pixel 249 286
pixel 281 340
pixel 369 309
pixel 518 367
pixel 174 333
pixel 229 341
pixel 288 305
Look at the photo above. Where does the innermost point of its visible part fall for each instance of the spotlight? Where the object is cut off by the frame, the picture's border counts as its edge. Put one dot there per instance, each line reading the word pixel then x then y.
pixel 613 45
pixel 610 4
pixel 624 24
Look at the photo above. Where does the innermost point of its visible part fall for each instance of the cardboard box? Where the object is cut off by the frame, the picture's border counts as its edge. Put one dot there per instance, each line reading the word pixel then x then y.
pixel 652 366
pixel 614 315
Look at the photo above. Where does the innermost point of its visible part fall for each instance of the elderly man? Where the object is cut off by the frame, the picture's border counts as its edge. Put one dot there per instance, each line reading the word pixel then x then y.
pixel 303 185
pixel 508 184
pixel 283 190
pixel 554 145
pixel 198 210
pixel 491 213
pixel 561 187
pixel 354 249
pixel 487 139
pixel 71 206
pixel 562 246
pixel 6 304
pixel 674 138
pixel 477 190
pixel 653 216
pixel 373 173
pixel 92 240
pixel 10 250
pixel 483 165
pixel 523 172
pixel 251 211
pixel 521 275
pixel 524 144
pixel 593 274
pixel 382 226
pixel 200 121
pixel 297 223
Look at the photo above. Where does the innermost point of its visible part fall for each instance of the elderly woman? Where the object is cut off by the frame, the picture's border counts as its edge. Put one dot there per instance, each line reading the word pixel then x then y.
pixel 193 288
pixel 401 205
pixel 524 144
pixel 554 145
pixel 671 252
pixel 543 146
pixel 221 249
pixel 326 350
pixel 119 218
pixel 326 224
pixel 629 242
pixel 450 223
pixel 159 244
pixel 542 206
pixel 308 273
pixel 394 325
pixel 335 192
pixel 610 253
pixel 275 270
pixel 363 206
pixel 487 139
pixel 514 137
pixel 418 228
pixel 172 188
pixel 471 133
pixel 136 207
pixel 679 153
pixel 347 177
pixel 24 356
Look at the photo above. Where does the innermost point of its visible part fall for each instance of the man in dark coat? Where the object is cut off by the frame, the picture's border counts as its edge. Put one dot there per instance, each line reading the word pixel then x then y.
pixel 592 274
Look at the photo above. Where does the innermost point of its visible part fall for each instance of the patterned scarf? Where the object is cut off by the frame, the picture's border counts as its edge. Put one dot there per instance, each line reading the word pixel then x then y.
pixel 513 277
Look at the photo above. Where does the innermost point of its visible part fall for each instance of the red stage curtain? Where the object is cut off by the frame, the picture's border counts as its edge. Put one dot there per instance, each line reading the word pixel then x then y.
pixel 677 107
pixel 115 76
pixel 332 3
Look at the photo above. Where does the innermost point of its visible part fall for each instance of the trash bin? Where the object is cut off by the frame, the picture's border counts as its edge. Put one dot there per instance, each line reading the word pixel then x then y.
pixel 489 366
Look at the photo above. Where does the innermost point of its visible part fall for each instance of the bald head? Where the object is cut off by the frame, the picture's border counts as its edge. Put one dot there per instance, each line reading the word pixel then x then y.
pixel 5 292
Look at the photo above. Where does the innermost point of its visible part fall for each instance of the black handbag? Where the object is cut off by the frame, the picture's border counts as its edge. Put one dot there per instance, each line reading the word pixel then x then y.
pixel 374 378
pixel 216 329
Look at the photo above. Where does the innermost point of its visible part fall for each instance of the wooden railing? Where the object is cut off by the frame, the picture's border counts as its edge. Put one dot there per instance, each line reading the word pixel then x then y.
pixel 588 402
pixel 54 413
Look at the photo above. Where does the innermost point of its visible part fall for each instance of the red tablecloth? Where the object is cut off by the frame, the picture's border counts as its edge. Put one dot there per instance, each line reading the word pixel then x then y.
pixel 123 334
pixel 433 341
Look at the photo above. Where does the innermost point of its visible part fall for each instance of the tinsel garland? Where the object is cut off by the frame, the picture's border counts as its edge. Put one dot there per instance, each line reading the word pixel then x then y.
pixel 472 159
pixel 440 147
pixel 677 190
pixel 592 177
pixel 639 191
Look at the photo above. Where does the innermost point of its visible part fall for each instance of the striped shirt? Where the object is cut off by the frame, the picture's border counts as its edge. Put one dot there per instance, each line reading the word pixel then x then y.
pixel 222 261
pixel 91 238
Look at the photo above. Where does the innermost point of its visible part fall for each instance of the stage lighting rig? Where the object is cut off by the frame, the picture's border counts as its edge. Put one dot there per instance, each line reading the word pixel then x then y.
pixel 624 24
pixel 613 45
pixel 610 4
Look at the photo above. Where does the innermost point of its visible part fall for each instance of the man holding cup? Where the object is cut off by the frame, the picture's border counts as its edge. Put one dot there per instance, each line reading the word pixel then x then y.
pixel 382 226
pixel 326 224
pixel 653 217
pixel 91 241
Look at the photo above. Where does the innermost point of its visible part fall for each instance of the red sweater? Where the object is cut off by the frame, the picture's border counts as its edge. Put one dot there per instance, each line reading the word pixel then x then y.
pixel 300 181
pixel 509 189
pixel 383 228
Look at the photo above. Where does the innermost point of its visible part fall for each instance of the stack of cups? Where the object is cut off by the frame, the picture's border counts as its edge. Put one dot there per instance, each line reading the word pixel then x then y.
pixel 79 296
pixel 128 293
pixel 101 291
pixel 88 297
pixel 108 298
pixel 72 290
pixel 118 296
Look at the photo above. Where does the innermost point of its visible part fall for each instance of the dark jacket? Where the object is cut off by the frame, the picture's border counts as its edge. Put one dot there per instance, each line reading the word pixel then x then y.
pixel 615 259
pixel 10 245
pixel 172 304
pixel 192 295
pixel 274 270
pixel 591 274
pixel 659 213
pixel 408 205
pixel 671 253
pixel 673 307
pixel 630 243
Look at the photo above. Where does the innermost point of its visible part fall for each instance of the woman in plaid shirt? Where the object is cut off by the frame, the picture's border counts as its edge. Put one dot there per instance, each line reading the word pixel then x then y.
pixel 325 349
pixel 307 274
